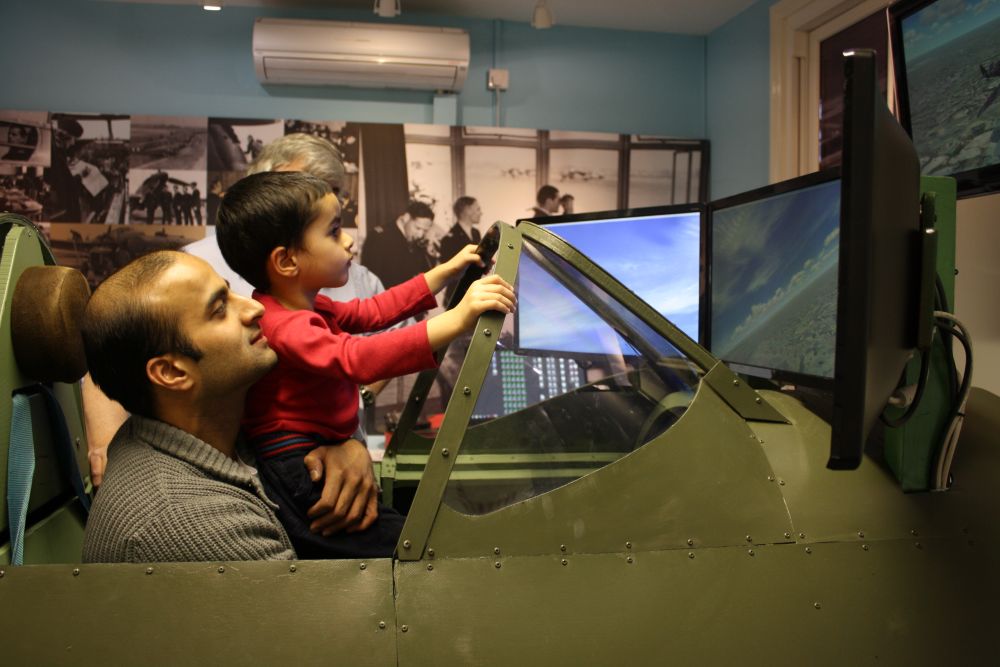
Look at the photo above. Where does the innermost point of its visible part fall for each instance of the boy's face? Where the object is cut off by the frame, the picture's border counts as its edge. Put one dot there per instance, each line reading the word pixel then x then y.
pixel 326 251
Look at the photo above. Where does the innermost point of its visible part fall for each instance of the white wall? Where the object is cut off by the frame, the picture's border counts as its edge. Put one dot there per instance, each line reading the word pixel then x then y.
pixel 977 285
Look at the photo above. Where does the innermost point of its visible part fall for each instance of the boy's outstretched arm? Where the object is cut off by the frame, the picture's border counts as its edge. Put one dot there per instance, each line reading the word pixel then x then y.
pixel 488 293
pixel 445 272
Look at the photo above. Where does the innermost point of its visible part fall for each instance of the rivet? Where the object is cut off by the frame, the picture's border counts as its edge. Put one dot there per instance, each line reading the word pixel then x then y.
pixel 364 566
pixel 965 531
pixel 736 383
pixel 865 547
pixel 445 453
pixel 861 533
pixel 222 569
pixel 2 572
pixel 562 547
pixel 466 390
pixel 817 605
pixel 690 554
pixel 430 552
pixel 429 567
pixel 78 443
pixel 510 246
pixel 760 442
pixel 628 545
pixel 292 568
pixel 416 399
pixel 770 478
pixel 628 560
pixel 750 551
pixel 497 565
pixel 918 545
pixel 787 535
pixel 758 400
pixel 406 544
pixel 149 570
pixel 404 628
pixel 565 562
pixel 690 542
pixel 914 532
pixel 76 572
pixel 496 550
pixel 487 332
pixel 781 482
pixel 749 539
pixel 381 625
pixel 809 550
pixel 802 536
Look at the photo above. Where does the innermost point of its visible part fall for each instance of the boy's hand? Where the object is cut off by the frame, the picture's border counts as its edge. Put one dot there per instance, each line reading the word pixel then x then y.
pixel 487 293
pixel 350 496
pixel 445 272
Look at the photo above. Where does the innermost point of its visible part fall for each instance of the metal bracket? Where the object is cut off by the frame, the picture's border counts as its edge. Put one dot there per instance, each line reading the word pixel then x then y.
pixel 740 396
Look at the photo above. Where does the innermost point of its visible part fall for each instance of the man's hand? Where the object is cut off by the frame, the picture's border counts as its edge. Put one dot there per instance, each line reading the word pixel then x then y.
pixel 442 274
pixel 350 496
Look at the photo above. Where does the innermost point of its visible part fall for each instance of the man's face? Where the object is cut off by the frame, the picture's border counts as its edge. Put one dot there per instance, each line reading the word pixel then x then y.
pixel 551 205
pixel 224 326
pixel 473 214
pixel 327 250
pixel 415 229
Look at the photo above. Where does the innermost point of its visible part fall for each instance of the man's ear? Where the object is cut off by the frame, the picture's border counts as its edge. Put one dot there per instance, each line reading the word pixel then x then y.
pixel 282 262
pixel 171 371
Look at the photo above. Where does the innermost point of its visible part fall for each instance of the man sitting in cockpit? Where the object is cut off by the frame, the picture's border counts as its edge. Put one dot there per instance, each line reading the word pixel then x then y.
pixel 166 338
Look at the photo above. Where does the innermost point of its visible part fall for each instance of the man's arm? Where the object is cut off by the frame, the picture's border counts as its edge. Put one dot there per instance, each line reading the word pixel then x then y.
pixel 350 495
pixel 103 417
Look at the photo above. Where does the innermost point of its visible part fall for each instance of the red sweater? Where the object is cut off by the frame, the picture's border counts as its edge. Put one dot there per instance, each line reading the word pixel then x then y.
pixel 314 387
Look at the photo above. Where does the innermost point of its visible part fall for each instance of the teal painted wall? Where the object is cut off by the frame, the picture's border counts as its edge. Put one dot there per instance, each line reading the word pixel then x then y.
pixel 738 101
pixel 88 55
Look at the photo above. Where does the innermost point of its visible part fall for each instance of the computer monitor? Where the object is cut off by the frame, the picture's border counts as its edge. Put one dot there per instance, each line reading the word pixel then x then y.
pixel 771 309
pixel 946 56
pixel 654 252
pixel 880 277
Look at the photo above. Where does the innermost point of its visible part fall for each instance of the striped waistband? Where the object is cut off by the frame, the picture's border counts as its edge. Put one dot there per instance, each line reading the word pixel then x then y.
pixel 272 444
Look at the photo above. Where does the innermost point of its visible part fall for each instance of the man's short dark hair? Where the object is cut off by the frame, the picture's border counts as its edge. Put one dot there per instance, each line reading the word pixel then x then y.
pixel 262 212
pixel 545 193
pixel 418 209
pixel 461 204
pixel 122 330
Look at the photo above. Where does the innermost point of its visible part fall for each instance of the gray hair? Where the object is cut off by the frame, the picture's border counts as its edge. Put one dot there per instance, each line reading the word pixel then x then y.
pixel 318 156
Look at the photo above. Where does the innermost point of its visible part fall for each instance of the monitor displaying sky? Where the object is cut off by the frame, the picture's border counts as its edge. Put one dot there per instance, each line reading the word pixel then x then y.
pixel 774 281
pixel 655 256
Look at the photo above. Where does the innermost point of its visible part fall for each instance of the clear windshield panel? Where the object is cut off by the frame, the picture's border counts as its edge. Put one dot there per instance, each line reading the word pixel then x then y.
pixel 576 381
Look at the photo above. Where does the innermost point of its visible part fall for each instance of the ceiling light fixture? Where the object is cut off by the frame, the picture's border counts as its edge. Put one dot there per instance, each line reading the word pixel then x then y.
pixel 387 8
pixel 541 19
pixel 217 7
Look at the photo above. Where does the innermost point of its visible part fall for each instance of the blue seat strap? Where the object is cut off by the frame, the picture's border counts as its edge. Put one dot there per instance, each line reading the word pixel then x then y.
pixel 20 472
pixel 63 445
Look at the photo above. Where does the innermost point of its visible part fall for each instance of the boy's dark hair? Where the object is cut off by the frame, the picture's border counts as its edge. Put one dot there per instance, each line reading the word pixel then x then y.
pixel 461 204
pixel 545 193
pixel 122 331
pixel 262 212
pixel 418 209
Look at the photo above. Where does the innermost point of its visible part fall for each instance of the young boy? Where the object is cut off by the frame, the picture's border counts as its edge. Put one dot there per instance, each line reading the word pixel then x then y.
pixel 281 232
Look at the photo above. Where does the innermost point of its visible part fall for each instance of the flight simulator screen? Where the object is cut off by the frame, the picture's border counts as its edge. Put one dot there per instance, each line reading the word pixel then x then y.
pixel 951 67
pixel 774 281
pixel 655 256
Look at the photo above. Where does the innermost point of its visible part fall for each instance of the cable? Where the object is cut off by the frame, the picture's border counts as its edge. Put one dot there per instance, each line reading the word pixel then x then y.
pixel 953 327
pixel 911 409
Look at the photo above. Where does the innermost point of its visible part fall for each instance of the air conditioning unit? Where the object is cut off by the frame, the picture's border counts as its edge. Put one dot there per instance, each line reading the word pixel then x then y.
pixel 367 55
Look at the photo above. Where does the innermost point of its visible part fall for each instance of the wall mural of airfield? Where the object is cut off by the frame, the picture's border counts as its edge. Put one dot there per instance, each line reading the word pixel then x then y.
pixel 787 320
pixel 953 70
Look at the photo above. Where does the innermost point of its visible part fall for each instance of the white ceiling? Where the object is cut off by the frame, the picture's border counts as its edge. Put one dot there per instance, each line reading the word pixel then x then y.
pixel 695 17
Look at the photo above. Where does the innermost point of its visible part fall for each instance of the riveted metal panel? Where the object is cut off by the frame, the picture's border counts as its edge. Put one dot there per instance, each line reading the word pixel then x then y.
pixel 705 479
pixel 260 613
pixel 892 604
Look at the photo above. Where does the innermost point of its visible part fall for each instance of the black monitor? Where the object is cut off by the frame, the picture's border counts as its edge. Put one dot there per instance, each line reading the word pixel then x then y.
pixel 880 276
pixel 946 55
pixel 771 309
pixel 655 252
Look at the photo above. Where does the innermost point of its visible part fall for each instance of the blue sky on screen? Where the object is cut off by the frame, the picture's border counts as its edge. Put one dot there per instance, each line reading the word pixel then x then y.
pixel 766 252
pixel 657 257
pixel 944 21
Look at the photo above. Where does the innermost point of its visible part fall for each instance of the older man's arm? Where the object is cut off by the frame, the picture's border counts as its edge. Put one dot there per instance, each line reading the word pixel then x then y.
pixel 221 528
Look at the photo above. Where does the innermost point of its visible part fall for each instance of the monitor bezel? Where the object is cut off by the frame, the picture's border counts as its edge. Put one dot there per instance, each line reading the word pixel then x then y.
pixel 587 358
pixel 778 375
pixel 973 182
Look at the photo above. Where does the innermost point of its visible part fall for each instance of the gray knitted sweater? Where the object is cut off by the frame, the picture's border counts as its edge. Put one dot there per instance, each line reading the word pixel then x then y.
pixel 168 496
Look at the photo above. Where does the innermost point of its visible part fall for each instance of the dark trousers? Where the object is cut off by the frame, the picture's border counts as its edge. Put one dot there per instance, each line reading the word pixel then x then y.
pixel 286 481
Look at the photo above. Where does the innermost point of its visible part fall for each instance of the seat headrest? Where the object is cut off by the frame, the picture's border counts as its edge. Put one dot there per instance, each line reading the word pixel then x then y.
pixel 45 317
